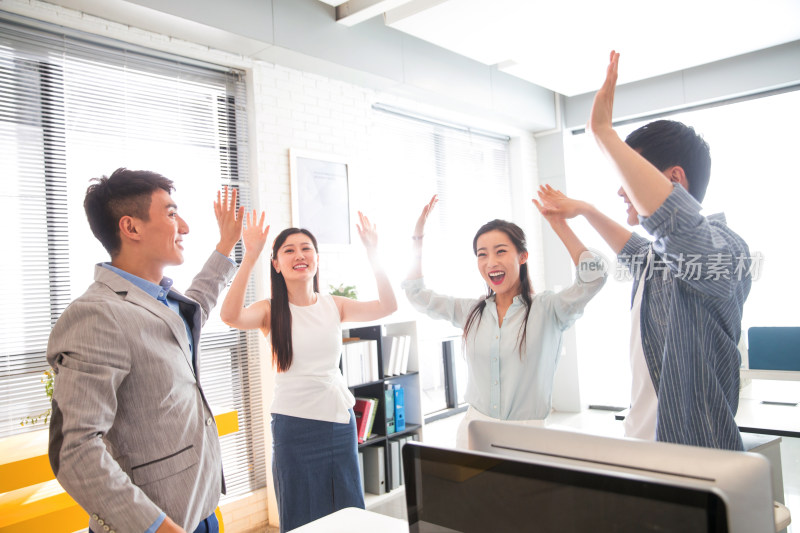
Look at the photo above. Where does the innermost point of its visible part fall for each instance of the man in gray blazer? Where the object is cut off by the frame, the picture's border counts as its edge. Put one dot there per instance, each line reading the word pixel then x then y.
pixel 132 437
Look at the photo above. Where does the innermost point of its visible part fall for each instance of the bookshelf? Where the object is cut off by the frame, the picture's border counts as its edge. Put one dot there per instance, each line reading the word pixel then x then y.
pixel 410 381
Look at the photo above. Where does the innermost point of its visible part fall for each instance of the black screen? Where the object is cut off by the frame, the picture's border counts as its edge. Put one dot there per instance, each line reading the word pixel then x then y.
pixel 450 490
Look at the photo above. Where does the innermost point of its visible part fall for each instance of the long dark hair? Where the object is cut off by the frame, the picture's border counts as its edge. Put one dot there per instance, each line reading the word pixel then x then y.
pixel 280 320
pixel 517 237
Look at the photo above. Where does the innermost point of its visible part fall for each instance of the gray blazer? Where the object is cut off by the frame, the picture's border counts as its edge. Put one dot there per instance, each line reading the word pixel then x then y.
pixel 131 432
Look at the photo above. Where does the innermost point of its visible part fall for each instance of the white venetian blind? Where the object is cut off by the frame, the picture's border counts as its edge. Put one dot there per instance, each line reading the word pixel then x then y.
pixel 74 107
pixel 415 157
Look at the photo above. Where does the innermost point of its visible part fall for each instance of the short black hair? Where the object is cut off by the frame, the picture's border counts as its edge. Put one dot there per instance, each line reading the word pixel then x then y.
pixel 124 193
pixel 667 143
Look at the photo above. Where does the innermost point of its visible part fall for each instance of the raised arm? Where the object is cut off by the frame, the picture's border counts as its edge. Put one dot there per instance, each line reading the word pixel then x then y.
pixel 591 270
pixel 354 311
pixel 212 279
pixel 559 224
pixel 646 187
pixel 415 272
pixel 233 312
pixel 229 220
pixel 553 202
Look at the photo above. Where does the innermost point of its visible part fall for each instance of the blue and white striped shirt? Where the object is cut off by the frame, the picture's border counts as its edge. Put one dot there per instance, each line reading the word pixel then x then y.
pixel 691 319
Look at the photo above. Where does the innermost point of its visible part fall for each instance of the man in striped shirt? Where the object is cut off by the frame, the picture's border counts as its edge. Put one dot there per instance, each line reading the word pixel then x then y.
pixel 690 282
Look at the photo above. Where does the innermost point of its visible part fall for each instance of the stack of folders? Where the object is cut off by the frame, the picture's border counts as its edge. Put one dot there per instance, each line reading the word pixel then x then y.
pixel 395 350
pixel 365 409
pixel 396 477
pixel 361 466
pixel 360 361
pixel 374 469
pixel 377 478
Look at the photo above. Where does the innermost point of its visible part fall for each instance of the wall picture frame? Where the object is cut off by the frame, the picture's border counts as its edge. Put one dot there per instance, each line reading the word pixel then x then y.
pixel 320 188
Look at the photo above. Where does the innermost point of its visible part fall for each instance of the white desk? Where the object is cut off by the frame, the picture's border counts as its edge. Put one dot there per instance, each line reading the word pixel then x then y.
pixel 762 424
pixel 354 520
pixel 770 447
pixel 770 408
pixel 755 416
pixel 765 413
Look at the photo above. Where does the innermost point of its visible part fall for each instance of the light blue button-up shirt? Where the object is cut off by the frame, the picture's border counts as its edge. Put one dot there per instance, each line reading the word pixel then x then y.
pixel 502 382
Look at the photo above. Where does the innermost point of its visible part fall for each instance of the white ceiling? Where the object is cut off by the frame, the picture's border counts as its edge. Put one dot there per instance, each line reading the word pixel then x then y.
pixel 563 45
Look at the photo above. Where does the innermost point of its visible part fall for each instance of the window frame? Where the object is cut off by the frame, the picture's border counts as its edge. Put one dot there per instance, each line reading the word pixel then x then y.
pixel 243 451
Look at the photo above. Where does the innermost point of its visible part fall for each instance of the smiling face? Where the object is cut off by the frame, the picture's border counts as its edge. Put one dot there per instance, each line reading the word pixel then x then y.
pixel 296 259
pixel 499 262
pixel 162 234
pixel 633 215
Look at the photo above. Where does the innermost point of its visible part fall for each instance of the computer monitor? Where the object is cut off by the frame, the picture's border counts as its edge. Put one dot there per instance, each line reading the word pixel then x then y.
pixel 734 485
pixel 521 478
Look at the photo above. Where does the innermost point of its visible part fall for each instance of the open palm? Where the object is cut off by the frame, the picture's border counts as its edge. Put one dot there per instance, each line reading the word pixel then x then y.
pixel 367 231
pixel 419 229
pixel 255 233
pixel 553 203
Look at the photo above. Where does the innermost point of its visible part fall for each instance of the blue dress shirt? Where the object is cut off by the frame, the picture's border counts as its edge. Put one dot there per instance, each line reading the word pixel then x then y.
pixel 158 291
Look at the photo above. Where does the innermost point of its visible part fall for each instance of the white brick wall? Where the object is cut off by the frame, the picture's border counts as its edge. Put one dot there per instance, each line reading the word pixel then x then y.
pixel 294 109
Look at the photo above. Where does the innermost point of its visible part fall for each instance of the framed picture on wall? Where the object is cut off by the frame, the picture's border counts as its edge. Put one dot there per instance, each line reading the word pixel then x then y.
pixel 321 196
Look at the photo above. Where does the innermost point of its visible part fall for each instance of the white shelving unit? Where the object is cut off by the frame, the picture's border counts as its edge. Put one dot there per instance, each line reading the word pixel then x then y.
pixel 411 390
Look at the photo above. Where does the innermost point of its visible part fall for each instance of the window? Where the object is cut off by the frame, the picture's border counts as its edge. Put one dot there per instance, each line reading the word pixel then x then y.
pixel 71 110
pixel 413 158
pixel 753 181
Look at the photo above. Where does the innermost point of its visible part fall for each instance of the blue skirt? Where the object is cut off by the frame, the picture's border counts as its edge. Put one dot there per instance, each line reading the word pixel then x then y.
pixel 314 468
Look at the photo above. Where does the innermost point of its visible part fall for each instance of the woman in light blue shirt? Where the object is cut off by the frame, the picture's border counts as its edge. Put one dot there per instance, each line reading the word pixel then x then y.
pixel 512 336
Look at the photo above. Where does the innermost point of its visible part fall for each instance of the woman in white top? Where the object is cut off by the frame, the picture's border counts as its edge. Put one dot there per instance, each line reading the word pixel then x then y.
pixel 314 461
pixel 512 336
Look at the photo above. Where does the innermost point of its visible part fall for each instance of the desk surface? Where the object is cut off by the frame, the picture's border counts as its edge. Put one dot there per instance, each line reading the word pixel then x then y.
pixel 354 520
pixel 755 416
pixel 768 410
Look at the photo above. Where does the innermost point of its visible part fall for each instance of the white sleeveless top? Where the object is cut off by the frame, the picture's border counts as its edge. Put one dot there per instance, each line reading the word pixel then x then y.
pixel 314 387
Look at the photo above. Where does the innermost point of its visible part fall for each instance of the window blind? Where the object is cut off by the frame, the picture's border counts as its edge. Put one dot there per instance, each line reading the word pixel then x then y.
pixel 71 109
pixel 416 156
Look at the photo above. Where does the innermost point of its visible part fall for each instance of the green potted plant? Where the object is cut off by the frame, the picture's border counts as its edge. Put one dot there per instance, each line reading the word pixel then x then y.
pixel 47 379
pixel 348 291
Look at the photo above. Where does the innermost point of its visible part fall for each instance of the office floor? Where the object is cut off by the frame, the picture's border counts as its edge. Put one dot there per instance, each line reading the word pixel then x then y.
pixel 443 433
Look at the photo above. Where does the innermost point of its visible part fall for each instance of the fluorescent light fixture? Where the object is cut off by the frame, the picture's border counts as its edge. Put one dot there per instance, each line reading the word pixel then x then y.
pixel 355 11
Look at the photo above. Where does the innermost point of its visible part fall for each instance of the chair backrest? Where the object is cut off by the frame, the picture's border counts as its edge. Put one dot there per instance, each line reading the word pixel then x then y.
pixel 774 348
